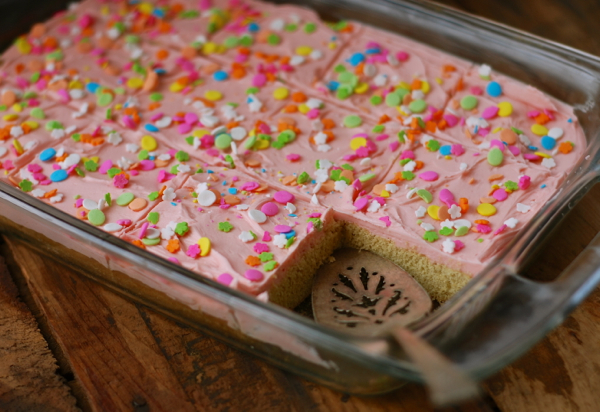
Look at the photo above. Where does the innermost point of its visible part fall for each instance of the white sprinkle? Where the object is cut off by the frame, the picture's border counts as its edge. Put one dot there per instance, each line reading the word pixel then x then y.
pixel 169 195
pixel 463 167
pixel 242 207
pixel 392 188
pixel 323 148
pixel 277 24
pixel 485 70
pixel 511 223
pixel 163 122
pixel 56 199
pixel 374 206
pixel 365 162
pixel 462 222
pixel 90 204
pixel 455 211
pixel 132 147
pixel 114 138
pixel 290 207
pixel 314 200
pixel 410 166
pixel 257 215
pixel 297 60
pixel 112 227
pixel 316 55
pixel 246 236
pixel 38 193
pixel 523 208
pixel 427 226
pixel 17 131
pixel 71 160
pixel 238 133
pixel 525 140
pixel 447 223
pixel 3 151
pixel 548 162
pixel 556 133
pixel 420 212
pixel 448 246
pixel 280 240
pixel 411 192
pixel 340 186
pixel 207 198
pixel 56 133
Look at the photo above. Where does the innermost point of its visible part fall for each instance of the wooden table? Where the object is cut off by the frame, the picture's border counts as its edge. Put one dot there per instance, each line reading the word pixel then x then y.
pixel 67 343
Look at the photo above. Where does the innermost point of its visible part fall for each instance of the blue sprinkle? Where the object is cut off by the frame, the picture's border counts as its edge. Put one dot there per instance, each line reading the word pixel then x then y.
pixel 543 186
pixel 92 87
pixel 313 181
pixel 475 130
pixel 446 150
pixel 532 147
pixel 293 215
pixel 232 190
pixel 570 120
pixel 290 234
pixel 174 203
pixel 263 170
pixel 220 76
pixel 374 50
pixel 253 27
pixel 150 127
pixel 356 59
pixel 333 85
pixel 158 13
pixel 59 175
pixel 548 143
pixel 209 171
pixel 152 157
pixel 159 70
pixel 494 89
pixel 47 155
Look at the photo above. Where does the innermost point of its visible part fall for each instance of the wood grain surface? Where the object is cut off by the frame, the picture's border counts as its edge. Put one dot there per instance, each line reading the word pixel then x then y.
pixel 67 343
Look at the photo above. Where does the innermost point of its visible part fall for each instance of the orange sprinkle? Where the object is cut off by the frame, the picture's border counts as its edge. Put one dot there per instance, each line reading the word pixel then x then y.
pixel 419 164
pixel 430 126
pixel 253 261
pixel 448 68
pixel 416 84
pixel 463 203
pixel 162 190
pixel 299 97
pixel 290 108
pixel 564 147
pixel 162 54
pixel 482 222
pixel 495 177
pixel 542 118
pixel 138 243
pixel 328 124
pixel 173 246
pixel 384 119
pixel 49 194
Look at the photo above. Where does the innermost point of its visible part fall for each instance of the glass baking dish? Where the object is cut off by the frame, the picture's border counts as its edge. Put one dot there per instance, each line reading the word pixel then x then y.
pixel 493 320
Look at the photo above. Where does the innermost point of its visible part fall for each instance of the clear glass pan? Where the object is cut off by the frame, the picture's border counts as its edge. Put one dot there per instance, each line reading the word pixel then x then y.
pixel 493 320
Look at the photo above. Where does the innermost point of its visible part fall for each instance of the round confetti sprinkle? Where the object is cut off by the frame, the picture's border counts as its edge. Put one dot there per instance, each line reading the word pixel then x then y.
pixel 429 176
pixel 358 142
pixel 352 121
pixel 112 227
pixel 269 209
pixel 281 93
pixel 238 133
pixel 225 279
pixel 220 75
pixel 96 217
pixel 282 229
pixel 257 216
pixel 392 99
pixel 495 157
pixel 223 141
pixel 47 155
pixel 556 133
pixel 303 50
pixel 37 113
pixel 138 204
pixel 213 95
pixel 125 198
pixel 539 130
pixel 494 89
pixel 417 106
pixel 505 109
pixel 104 99
pixel 283 197
pixel 508 136
pixel 207 198
pixel 59 175
pixel 90 204
pixel 148 143
pixel 253 275
pixel 486 209
pixel 548 142
pixel 469 102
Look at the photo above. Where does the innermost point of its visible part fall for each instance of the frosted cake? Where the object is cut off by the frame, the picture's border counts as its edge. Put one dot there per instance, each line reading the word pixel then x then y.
pixel 246 141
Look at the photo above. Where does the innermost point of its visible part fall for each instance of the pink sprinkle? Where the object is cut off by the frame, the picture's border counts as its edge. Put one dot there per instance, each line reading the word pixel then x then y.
pixel 174 260
pixel 362 152
pixel 143 230
pixel 524 182
pixel 253 275
pixel 447 197
pixel 361 203
pixel 309 227
pixel 193 251
pixel 402 56
pixel 162 176
pixel 514 150
pixel 483 228
pixel 120 181
pixel 349 157
pixel 64 95
pixel 457 149
pixel 382 137
pixel 266 237
pixel 124 222
pixel 259 80
pixel 39 176
pixel 85 21
pixel 549 114
pixel 172 152
pixel 184 128
pixel 458 245
pixel 225 279
pixel 79 202
pixel 55 166
pixel 264 128
pixel 429 176
pixel 407 154
pixel 500 230
pixel 292 157
pixel 490 112
pixel 313 215
pixel 533 113
pixel 497 143
pixel 386 220
pixel 451 119
pixel 34 168
pixel 250 186
pixel 41 84
pixel 312 113
pixel 157 116
pixel 532 157
pixel 128 122
pixel 477 91
pixel 357 184
pixel 483 132
pixel 147 165
pixel 500 195
pixel 269 209
pixel 283 229
pixel 191 118
pixel 261 247
pixel 283 197
pixel 107 164
pixel 213 152
pixel 394 145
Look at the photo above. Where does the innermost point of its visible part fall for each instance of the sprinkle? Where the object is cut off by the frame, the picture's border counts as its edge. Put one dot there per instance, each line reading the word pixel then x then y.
pixel 225 227
pixel 96 217
pixel 205 246
pixel 254 275
pixel 352 121
pixel 269 209
pixel 486 209
pixel 225 279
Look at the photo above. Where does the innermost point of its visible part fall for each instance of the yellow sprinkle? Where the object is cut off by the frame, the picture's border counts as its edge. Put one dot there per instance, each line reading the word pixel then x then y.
pixel 496 130
pixel 145 8
pixel 75 84
pixel 402 112
pixel 403 85
pixel 261 144
pixel 176 87
pixel 303 108
pixel 547 156
pixel 332 45
pixel 505 109
pixel 105 10
pixel 10 117
pixel 539 129
pixel 17 108
pixel 438 80
pixel 358 142
pixel 281 93
pixel 23 46
pixel 385 193
pixel 209 48
pixel 361 88
pixel 486 209
pixel 448 157
pixel 495 187
pixel 18 146
pixel 32 124
pixel 303 50
pixel 148 143
pixel 135 82
pixel 200 132
pixel 204 244
pixel 433 211
pixel 118 106
pixel 425 87
pixel 213 95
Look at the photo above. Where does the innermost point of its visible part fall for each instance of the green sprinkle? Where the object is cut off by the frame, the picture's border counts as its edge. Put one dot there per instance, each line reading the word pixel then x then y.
pixel 480 240
pixel 417 106
pixel 273 39
pixel 379 128
pixel 26 185
pixel 425 195
pixel 225 227
pixel 511 186
pixel 291 27
pixel 461 231
pixel 303 178
pixel 38 113
pixel 430 236
pixel 90 166
pixel 352 121
pixel 113 171
pixel 151 242
pixel 231 42
pixel 310 28
pixel 317 222
pixel 223 141
pixel 447 231
pixel 182 156
pixel 79 172
pixel 270 266
pixel 246 40
pixel 346 166
pixel 174 169
pixel 108 199
pixel 104 99
pixel 153 196
pixel 340 68
pixel 182 228
pixel 156 97
pixel 143 155
pixel 408 175
pixel 392 100
pixel 433 145
pixel 153 217
pixel 96 217
pixel 517 131
pixel 250 142
pixel 335 174
pixel 405 161
pixel 119 90
pixel 366 177
pixel 290 242
pixel 469 102
pixel 495 157
pixel 401 136
pixel 229 160
pixel 53 124
pixel 190 140
pixel 265 257
pixel 125 198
